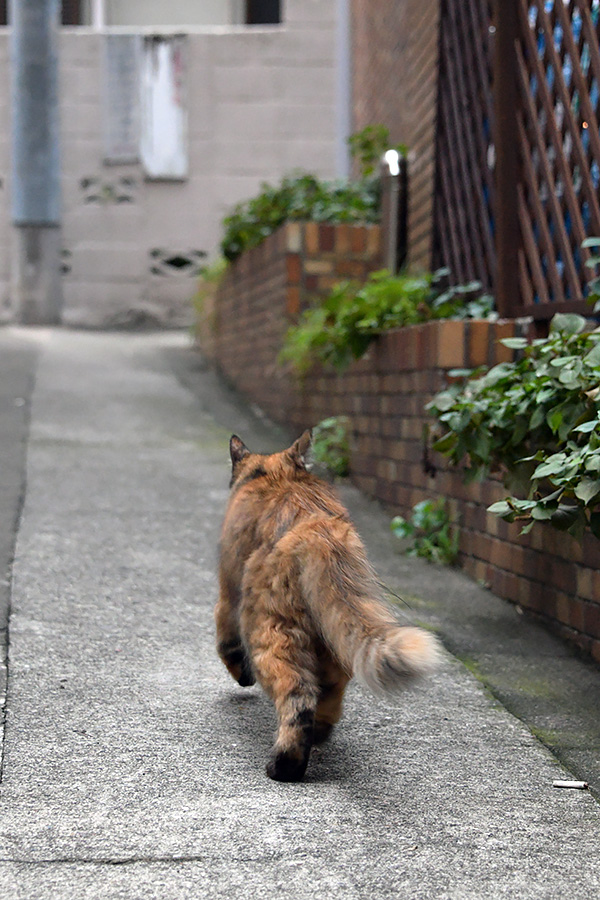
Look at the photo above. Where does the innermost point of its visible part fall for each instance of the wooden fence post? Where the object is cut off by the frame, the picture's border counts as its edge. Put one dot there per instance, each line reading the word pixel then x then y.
pixel 506 213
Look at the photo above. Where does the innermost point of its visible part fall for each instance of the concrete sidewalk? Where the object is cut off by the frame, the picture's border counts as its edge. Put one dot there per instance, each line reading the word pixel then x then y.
pixel 134 767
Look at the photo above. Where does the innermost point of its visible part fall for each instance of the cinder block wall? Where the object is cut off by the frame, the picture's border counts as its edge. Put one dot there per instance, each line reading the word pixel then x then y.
pixel 384 395
pixel 261 103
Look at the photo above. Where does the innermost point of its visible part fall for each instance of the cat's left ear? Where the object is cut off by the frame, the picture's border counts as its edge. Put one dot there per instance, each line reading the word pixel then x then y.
pixel 237 449
pixel 300 448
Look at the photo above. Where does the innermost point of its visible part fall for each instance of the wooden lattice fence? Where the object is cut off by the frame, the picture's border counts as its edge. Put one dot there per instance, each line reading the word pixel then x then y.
pixel 463 220
pixel 518 149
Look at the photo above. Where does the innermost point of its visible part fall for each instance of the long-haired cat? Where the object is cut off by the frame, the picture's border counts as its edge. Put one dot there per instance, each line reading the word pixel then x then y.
pixel 300 608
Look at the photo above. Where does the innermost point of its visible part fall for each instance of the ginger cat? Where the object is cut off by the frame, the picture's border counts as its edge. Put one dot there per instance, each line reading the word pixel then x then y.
pixel 300 608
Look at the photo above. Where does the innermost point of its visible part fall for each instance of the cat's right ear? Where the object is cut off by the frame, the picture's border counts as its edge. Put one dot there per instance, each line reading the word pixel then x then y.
pixel 237 450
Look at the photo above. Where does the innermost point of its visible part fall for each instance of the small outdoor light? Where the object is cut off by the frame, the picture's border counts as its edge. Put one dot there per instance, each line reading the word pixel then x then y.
pixel 392 158
pixel 390 164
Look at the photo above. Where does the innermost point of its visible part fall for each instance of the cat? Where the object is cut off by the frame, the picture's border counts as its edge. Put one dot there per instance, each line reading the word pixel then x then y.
pixel 300 608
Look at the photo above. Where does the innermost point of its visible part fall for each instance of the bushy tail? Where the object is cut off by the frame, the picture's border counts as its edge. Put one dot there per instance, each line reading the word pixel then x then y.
pixel 386 663
pixel 344 600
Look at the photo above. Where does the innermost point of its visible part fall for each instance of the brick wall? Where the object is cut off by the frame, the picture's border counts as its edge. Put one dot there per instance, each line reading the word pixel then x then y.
pixel 380 37
pixel 394 82
pixel 384 396
pixel 265 289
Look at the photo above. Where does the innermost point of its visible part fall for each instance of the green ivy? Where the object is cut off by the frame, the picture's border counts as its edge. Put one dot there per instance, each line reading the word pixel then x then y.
pixel 303 196
pixel 593 244
pixel 331 444
pixel 341 327
pixel 369 145
pixel 538 419
pixel 430 531
pixel 299 197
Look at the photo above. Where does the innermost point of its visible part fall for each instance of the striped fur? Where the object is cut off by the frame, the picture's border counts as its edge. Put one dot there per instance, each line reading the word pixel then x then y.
pixel 300 609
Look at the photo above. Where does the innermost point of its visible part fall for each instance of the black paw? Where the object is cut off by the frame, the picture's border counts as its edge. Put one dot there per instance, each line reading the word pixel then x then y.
pixel 246 677
pixel 322 732
pixel 234 657
pixel 286 766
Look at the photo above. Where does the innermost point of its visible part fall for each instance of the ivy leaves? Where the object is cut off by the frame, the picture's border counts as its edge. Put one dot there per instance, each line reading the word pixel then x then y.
pixel 298 197
pixel 341 328
pixel 430 531
pixel 305 197
pixel 539 419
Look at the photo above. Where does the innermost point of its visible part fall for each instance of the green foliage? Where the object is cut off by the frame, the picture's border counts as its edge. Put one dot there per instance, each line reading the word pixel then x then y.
pixel 369 145
pixel 304 197
pixel 298 197
pixel 341 328
pixel 593 244
pixel 203 300
pixel 539 419
pixel 430 531
pixel 331 445
pixel 209 280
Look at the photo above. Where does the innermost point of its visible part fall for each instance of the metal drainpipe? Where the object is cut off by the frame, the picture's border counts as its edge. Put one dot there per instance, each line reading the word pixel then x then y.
pixel 343 87
pixel 35 164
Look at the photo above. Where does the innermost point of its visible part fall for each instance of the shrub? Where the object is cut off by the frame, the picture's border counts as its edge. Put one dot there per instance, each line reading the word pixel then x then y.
pixel 296 198
pixel 341 328
pixel 305 197
pixel 537 418
pixel 331 446
pixel 430 531
pixel 204 303
pixel 368 146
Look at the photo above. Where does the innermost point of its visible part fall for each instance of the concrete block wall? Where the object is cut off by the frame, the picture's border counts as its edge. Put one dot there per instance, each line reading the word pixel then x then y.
pixel 384 396
pixel 261 103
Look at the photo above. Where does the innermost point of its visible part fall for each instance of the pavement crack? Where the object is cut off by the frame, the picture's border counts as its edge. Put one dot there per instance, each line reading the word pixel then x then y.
pixel 19 383
pixel 168 859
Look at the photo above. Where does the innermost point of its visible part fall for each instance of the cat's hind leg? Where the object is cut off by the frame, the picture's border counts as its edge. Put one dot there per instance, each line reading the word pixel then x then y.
pixel 230 646
pixel 281 641
pixel 329 707
pixel 332 684
pixel 281 666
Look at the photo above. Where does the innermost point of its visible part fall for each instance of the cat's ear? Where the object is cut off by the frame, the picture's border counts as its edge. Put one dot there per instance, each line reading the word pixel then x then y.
pixel 300 448
pixel 237 449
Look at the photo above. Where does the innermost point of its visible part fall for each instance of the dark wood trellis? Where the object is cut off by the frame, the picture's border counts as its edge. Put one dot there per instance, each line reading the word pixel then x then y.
pixel 463 221
pixel 518 149
pixel 558 83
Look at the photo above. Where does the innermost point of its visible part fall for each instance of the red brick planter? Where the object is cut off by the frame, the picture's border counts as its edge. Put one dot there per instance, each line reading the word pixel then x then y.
pixel 384 396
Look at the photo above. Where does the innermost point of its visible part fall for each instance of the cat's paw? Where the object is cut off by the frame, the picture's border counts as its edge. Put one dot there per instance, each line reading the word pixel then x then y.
pixel 245 678
pixel 286 766
pixel 237 663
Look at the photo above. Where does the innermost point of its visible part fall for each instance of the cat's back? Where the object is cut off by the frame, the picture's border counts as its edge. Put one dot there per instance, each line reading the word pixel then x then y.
pixel 285 505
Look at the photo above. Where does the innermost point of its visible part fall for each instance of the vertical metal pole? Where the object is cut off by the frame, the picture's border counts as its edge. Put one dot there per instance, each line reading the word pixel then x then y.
pixel 35 160
pixel 98 14
pixel 343 88
pixel 390 192
pixel 508 236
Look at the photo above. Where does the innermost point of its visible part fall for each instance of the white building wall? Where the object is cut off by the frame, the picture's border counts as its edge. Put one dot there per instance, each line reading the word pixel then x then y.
pixel 261 103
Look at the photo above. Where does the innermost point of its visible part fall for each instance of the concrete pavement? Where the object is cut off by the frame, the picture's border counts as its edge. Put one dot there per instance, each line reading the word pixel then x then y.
pixel 134 767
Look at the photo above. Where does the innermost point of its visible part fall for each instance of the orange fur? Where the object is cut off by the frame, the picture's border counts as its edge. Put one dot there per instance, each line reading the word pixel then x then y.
pixel 300 608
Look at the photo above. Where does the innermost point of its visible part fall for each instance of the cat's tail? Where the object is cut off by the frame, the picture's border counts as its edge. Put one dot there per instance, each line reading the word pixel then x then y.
pixel 344 600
